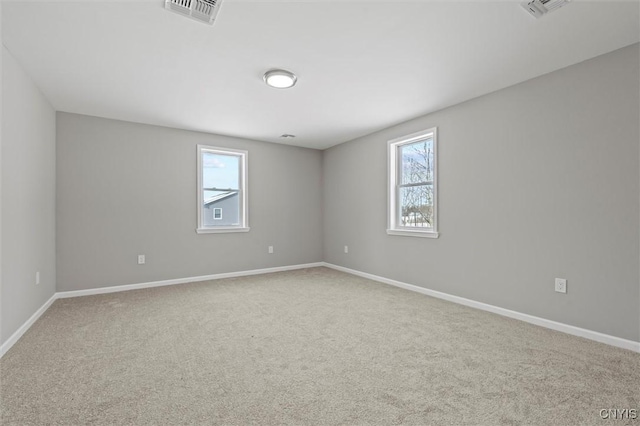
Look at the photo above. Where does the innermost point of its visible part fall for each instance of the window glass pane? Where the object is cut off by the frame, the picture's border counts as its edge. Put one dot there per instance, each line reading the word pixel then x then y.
pixel 416 162
pixel 221 189
pixel 416 206
pixel 213 207
pixel 220 173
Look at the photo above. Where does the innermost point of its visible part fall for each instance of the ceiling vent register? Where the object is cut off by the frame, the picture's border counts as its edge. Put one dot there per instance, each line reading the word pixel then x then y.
pixel 200 10
pixel 539 8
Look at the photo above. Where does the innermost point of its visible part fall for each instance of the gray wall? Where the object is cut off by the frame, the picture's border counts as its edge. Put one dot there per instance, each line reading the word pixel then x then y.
pixel 28 197
pixel 112 173
pixel 2 340
pixel 536 181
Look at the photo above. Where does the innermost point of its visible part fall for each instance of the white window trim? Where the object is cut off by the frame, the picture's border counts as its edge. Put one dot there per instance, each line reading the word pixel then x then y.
pixel 243 187
pixel 392 191
pixel 217 209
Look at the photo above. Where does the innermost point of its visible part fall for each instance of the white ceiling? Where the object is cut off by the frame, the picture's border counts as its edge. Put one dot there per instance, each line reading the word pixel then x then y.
pixel 362 65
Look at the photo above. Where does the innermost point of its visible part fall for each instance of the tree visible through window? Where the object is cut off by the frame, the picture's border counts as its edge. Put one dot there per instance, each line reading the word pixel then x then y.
pixel 412 185
pixel 416 184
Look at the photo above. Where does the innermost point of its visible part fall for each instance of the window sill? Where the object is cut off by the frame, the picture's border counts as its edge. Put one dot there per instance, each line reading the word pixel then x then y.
pixel 409 233
pixel 221 230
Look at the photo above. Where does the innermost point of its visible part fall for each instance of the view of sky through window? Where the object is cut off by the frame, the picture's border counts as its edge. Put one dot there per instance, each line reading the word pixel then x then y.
pixel 220 173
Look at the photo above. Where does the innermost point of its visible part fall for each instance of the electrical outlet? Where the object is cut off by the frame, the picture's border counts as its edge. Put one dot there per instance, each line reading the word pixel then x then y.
pixel 37 277
pixel 561 285
pixel 346 249
pixel 270 250
pixel 141 259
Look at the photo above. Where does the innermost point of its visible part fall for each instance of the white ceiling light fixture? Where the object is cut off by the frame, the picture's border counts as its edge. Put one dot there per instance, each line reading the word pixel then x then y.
pixel 280 79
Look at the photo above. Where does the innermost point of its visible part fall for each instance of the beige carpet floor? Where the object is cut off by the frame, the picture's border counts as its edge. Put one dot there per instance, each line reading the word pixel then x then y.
pixel 314 346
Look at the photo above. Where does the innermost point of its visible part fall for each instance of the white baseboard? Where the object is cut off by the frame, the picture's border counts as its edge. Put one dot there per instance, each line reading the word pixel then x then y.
pixel 23 329
pixel 127 287
pixel 558 326
pixel 103 290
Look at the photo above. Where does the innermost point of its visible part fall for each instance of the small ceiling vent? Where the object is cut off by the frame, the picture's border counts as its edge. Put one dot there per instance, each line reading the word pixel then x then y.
pixel 539 8
pixel 201 10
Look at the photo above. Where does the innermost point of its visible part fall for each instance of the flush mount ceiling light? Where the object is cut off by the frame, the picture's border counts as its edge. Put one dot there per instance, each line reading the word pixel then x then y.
pixel 287 136
pixel 280 79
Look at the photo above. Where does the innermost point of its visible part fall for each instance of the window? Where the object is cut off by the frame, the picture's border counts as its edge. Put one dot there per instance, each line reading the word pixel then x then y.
pixel 413 185
pixel 222 184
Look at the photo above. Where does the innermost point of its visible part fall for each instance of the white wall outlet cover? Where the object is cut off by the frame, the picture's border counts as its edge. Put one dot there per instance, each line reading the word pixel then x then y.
pixel 37 278
pixel 346 249
pixel 141 259
pixel 561 285
pixel 270 249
